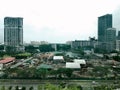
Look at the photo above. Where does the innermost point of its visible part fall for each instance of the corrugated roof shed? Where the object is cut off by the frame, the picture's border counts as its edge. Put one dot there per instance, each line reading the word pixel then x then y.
pixel 73 65
pixel 80 61
pixel 7 60
pixel 58 58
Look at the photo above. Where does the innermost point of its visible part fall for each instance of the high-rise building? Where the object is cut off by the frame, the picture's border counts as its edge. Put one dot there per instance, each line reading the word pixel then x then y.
pixel 117 45
pixel 80 44
pixel 118 33
pixel 110 39
pixel 110 34
pixel 104 22
pixel 118 36
pixel 13 32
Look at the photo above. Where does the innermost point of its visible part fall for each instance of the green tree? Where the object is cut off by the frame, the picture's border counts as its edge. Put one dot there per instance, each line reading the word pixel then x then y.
pixel 10 49
pixel 51 87
pixel 100 71
pixel 117 58
pixel 103 87
pixel 16 88
pixel 1 47
pixel 31 88
pixel 40 87
pixel 31 49
pixel 68 72
pixel 42 73
pixel 22 55
pixel 23 88
pixel 10 88
pixel 73 87
pixel 32 72
pixel 63 47
pixel 46 48
pixel 53 72
pixel 2 88
pixel 64 72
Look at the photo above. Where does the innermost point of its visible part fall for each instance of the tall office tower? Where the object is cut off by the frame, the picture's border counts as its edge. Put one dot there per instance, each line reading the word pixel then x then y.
pixel 104 22
pixel 111 35
pixel 13 32
pixel 110 39
pixel 118 36
pixel 118 33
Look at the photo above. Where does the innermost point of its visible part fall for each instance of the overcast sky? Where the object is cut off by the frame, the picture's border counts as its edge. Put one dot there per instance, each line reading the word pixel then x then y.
pixel 59 20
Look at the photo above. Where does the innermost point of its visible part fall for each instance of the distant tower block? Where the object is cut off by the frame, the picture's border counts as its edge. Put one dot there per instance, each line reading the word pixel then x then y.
pixel 13 32
pixel 104 22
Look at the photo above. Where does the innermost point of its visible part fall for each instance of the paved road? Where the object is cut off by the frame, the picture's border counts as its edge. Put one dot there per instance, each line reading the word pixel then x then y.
pixel 20 63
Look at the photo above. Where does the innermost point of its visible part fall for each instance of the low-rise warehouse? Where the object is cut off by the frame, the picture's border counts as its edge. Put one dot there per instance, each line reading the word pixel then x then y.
pixel 73 65
pixel 80 61
pixel 58 59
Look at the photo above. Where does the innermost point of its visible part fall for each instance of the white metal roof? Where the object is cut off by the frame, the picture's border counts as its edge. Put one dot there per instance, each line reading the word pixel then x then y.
pixel 80 61
pixel 58 58
pixel 72 65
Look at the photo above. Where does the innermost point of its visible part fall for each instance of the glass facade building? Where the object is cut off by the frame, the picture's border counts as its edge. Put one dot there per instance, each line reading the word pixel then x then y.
pixel 104 22
pixel 13 31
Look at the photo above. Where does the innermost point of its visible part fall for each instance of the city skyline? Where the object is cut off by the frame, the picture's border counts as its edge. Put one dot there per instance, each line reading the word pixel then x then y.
pixel 59 21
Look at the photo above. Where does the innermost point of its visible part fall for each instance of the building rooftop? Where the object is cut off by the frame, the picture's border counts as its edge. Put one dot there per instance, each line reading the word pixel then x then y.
pixel 73 65
pixel 13 17
pixel 58 58
pixel 44 66
pixel 7 60
pixel 80 61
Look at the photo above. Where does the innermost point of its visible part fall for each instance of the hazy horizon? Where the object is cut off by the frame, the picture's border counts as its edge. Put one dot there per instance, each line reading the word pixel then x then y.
pixel 58 21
